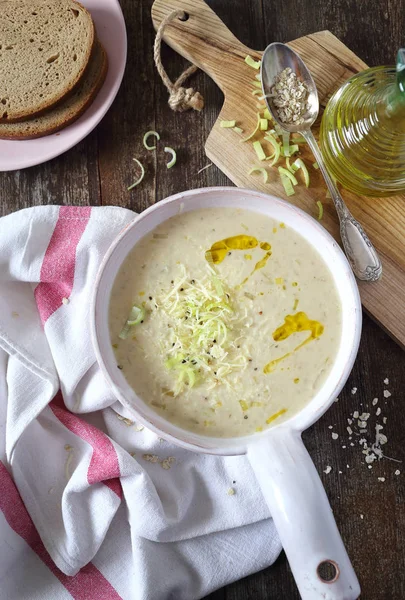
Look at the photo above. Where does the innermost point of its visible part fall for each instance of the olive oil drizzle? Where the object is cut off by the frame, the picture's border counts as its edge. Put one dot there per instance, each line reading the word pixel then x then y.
pixel 219 250
pixel 294 324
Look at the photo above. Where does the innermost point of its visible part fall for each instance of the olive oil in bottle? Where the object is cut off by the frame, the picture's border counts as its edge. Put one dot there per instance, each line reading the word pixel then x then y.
pixel 363 131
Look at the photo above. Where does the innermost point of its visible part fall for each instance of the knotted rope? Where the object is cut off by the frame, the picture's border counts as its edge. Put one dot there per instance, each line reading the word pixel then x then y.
pixel 180 98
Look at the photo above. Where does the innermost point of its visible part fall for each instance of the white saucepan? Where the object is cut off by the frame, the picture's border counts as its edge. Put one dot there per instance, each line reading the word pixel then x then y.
pixel 287 477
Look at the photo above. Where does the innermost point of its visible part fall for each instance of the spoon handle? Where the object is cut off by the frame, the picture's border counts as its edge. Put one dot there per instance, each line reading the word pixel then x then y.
pixel 360 252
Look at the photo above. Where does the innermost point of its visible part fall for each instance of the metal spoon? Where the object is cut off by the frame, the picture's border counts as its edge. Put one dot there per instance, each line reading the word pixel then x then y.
pixel 359 250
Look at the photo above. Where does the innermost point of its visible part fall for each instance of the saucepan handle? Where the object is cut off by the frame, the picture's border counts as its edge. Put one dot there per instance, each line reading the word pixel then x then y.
pixel 303 517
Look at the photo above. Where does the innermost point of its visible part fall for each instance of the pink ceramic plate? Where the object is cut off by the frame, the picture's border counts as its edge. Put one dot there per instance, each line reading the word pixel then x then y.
pixel 111 31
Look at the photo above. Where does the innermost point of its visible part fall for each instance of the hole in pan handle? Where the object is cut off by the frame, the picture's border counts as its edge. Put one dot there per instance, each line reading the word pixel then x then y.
pixel 303 517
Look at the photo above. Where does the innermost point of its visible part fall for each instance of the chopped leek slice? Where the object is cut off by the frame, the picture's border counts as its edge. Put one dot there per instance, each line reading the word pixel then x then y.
pixel 263 124
pixel 141 176
pixel 289 167
pixel 254 131
pixel 299 163
pixel 256 92
pixel 315 165
pixel 258 77
pixel 320 208
pixel 255 64
pixel 260 170
pixel 135 317
pixel 238 129
pixel 286 143
pixel 171 162
pixel 257 84
pixel 267 115
pixel 289 175
pixel 276 146
pixel 228 124
pixel 259 150
pixel 288 186
pixel 145 139
pixel 299 140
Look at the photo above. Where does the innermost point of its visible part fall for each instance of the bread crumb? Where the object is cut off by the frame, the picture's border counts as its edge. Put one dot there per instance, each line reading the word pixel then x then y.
pixel 127 422
pixel 65 301
pixel 14 314
pixel 382 479
pixel 231 492
pixel 387 394
pixel 328 470
pixel 356 414
pixel 354 390
pixel 374 402
pixel 167 462
pixel 151 458
pixel 349 430
pixel 378 412
pixel 335 436
pixel 386 381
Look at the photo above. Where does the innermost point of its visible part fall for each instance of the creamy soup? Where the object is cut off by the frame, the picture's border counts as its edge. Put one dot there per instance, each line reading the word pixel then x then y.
pixel 225 321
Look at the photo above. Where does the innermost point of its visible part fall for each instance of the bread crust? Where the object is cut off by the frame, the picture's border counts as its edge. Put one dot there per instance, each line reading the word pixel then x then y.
pixel 38 108
pixel 54 120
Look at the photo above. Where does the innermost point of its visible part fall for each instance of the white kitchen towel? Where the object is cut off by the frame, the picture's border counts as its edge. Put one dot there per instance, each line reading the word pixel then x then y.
pixel 93 506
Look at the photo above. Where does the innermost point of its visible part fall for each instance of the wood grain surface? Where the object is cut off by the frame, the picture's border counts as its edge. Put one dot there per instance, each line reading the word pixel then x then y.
pixel 207 42
pixel 100 168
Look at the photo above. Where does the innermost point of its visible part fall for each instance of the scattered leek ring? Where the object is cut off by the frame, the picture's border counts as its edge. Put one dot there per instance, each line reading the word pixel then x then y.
pixel 173 160
pixel 145 139
pixel 142 175
pixel 260 170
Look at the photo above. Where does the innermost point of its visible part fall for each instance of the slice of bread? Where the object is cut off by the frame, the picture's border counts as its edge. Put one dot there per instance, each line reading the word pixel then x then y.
pixel 45 47
pixel 68 110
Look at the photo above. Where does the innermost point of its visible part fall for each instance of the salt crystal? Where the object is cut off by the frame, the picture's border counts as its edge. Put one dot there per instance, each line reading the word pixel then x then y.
pixel 384 420
pixel 361 516
pixel 386 381
pixel 340 472
pixel 349 430
pixel 387 394
pixel 351 443
pixel 370 467
pixel 328 470
pixel 330 427
pixel 350 421
pixel 356 414
pixel 337 400
pixel 397 472
pixel 370 458
pixel 343 446
pixel 378 411
pixel 335 436
pixel 382 479
pixel 375 400
pixel 354 390
pixel 348 466
pixel 65 301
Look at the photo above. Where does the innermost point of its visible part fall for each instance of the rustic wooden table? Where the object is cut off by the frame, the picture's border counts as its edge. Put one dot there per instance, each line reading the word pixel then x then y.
pixel 370 512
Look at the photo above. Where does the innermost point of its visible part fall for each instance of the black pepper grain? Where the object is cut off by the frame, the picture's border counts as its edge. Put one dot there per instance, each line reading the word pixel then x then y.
pixel 120 367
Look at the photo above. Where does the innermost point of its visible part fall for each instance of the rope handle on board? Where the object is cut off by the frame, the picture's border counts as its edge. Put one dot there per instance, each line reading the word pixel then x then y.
pixel 180 98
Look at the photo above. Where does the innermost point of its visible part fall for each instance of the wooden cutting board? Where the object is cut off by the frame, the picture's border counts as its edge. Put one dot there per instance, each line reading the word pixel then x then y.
pixel 205 41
